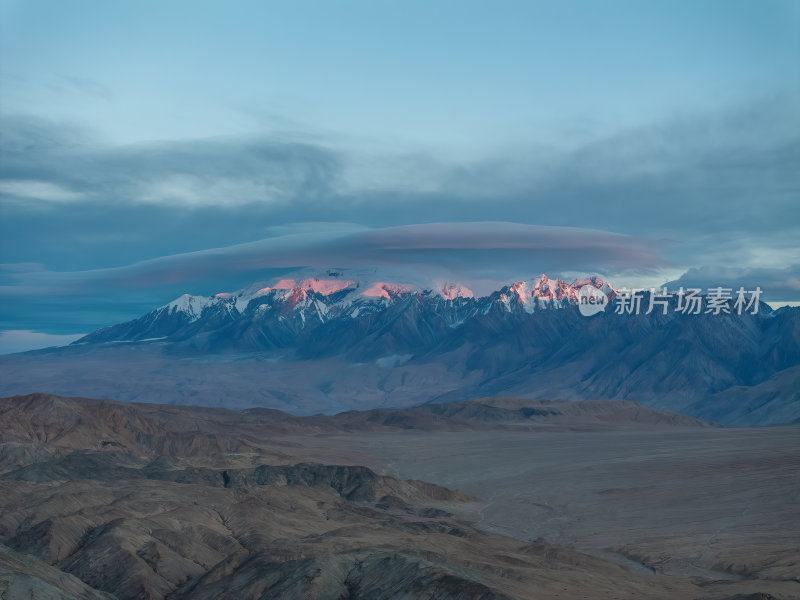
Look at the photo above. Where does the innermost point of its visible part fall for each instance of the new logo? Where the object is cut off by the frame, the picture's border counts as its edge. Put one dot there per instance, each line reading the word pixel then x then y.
pixel 591 300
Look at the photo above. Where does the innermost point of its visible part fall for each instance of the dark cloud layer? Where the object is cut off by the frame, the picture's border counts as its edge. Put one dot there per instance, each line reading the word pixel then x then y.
pixel 465 250
pixel 259 169
pixel 778 285
pixel 489 251
pixel 730 174
pixel 689 192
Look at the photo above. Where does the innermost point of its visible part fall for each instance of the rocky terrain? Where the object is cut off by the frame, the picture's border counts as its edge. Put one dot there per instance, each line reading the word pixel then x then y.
pixel 101 499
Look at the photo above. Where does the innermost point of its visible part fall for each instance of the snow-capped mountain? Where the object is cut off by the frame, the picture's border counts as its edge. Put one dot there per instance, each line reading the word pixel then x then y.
pixel 337 340
pixel 284 307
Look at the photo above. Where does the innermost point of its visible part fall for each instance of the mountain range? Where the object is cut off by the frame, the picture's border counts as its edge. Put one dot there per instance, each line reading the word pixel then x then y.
pixel 339 340
pixel 290 312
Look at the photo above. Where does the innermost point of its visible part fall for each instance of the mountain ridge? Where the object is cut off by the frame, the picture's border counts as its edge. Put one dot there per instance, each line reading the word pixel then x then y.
pixel 321 345
pixel 313 300
pixel 65 424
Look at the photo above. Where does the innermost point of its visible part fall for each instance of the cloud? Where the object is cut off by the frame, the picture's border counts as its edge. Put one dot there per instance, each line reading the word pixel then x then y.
pixel 778 285
pixel 37 190
pixel 221 171
pixel 484 255
pixel 195 215
pixel 20 340
pixel 674 175
pixel 465 250
pixel 699 180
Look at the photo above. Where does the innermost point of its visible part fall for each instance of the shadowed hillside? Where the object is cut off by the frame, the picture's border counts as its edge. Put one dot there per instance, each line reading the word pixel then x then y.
pixel 153 501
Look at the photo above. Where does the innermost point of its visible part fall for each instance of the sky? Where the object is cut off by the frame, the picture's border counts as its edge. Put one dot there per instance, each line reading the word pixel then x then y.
pixel 149 149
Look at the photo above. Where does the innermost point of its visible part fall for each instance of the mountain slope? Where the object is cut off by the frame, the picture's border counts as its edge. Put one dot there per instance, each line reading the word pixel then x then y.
pixel 327 344
pixel 110 496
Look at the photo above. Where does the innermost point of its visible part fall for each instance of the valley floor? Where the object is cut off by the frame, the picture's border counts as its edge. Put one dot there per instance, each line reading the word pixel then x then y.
pixel 719 507
pixel 494 499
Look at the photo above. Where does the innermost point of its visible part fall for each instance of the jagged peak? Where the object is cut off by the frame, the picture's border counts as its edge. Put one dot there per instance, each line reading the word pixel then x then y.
pixel 365 284
pixel 451 290
pixel 385 289
pixel 188 304
pixel 324 287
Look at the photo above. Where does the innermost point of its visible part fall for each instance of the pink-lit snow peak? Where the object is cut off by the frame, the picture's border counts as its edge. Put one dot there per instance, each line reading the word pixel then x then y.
pixel 325 286
pixel 312 284
pixel 544 288
pixel 450 291
pixel 384 289
pixel 529 294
